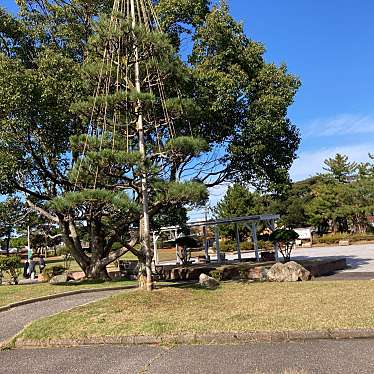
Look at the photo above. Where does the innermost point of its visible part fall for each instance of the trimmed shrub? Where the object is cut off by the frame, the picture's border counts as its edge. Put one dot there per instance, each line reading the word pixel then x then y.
pixel 12 266
pixel 216 274
pixel 265 245
pixel 335 238
pixel 286 240
pixel 230 246
pixel 50 271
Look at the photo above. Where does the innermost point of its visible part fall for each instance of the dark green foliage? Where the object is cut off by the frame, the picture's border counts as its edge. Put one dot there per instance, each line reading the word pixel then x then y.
pixel 180 192
pixel 177 17
pixel 186 145
pixel 343 198
pixel 283 235
pixel 261 163
pixel 216 274
pixel 285 240
pixel 292 204
pixel 10 265
pixel 335 238
pixel 230 246
pixel 246 99
pixel 18 242
pixel 51 271
pixel 238 201
pixel 175 215
pixel 228 108
pixel 105 198
pixel 340 168
pixel 11 213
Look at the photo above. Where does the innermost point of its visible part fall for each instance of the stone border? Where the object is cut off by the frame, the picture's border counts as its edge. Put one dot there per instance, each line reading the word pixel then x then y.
pixel 217 338
pixel 64 294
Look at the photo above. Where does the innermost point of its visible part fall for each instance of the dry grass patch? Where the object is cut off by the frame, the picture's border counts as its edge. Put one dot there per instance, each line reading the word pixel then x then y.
pixel 234 307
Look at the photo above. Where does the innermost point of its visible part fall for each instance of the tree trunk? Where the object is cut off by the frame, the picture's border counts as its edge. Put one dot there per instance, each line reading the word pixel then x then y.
pixel 144 223
pixel 97 271
pixel 7 244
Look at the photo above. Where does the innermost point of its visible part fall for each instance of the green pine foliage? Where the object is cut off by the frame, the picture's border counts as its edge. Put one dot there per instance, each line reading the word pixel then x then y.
pixel 237 202
pixel 227 106
pixel 103 198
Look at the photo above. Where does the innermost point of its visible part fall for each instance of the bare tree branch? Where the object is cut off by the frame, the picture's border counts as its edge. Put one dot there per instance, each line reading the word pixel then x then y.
pixel 42 211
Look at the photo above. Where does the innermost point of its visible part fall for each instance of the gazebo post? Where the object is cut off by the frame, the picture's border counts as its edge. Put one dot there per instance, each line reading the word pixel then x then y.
pixel 155 247
pixel 254 238
pixel 206 244
pixel 238 242
pixel 216 231
pixel 276 254
pixel 176 247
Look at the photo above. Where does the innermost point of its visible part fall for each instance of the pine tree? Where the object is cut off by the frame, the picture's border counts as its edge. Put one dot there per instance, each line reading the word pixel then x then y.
pixel 237 202
pixel 123 171
pixel 340 168
pixel 82 165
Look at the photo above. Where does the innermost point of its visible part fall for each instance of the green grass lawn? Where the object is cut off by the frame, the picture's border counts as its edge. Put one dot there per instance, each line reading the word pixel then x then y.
pixel 12 294
pixel 234 307
pixel 59 261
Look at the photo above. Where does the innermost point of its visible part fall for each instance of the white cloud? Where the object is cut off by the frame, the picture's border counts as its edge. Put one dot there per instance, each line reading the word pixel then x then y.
pixel 217 193
pixel 310 163
pixel 342 124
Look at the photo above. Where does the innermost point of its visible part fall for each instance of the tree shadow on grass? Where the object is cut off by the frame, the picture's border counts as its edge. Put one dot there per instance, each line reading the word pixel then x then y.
pixel 195 286
pixel 96 282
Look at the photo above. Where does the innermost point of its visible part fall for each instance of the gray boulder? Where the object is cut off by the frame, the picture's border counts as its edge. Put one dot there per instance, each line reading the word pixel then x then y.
pixel 258 273
pixel 208 282
pixel 288 272
pixel 59 279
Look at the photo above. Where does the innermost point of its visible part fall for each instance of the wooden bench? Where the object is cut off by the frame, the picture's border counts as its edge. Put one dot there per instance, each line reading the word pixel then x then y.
pixel 128 267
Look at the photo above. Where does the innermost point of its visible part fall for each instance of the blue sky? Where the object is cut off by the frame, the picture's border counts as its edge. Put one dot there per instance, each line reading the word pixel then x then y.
pixel 328 44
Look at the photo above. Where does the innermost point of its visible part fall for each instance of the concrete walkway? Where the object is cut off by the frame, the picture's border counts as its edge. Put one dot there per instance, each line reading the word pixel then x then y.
pixel 360 257
pixel 320 356
pixel 13 320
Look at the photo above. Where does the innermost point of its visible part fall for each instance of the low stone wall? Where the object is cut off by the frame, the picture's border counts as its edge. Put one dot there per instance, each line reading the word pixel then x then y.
pixel 230 271
pixel 192 272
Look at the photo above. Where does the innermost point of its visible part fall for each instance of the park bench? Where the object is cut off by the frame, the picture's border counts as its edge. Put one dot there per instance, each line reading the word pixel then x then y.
pixel 128 267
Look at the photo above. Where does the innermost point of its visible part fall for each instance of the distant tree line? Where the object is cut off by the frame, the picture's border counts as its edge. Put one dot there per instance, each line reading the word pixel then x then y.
pixel 339 200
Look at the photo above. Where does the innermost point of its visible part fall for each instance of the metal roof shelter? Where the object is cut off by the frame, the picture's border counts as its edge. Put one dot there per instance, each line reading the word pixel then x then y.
pixel 249 222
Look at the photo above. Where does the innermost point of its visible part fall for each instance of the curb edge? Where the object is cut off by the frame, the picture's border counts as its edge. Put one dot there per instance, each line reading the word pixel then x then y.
pixel 212 339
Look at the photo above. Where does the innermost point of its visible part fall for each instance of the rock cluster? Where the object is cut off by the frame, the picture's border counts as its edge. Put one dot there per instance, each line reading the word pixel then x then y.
pixel 67 276
pixel 59 279
pixel 208 282
pixel 288 272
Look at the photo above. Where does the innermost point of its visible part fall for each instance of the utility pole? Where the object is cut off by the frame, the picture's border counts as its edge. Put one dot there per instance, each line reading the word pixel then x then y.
pixel 29 250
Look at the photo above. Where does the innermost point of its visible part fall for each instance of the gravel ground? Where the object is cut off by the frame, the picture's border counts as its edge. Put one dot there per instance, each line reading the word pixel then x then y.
pixel 333 357
pixel 13 320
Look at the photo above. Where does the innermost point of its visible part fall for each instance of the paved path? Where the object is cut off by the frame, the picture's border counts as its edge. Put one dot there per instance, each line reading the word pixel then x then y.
pixel 13 320
pixel 360 258
pixel 348 356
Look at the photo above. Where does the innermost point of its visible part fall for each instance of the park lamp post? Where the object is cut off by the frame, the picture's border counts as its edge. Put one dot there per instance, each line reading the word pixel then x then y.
pixel 29 249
